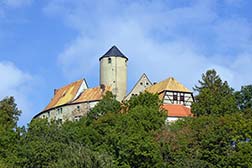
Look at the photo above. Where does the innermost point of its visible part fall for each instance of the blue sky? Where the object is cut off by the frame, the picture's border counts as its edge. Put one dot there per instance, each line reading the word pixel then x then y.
pixel 49 43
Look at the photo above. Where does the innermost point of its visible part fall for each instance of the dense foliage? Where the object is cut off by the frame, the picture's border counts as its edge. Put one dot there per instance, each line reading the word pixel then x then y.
pixel 134 134
pixel 244 97
pixel 215 96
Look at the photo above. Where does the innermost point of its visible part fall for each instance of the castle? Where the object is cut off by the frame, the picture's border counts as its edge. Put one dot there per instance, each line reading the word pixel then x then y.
pixel 74 100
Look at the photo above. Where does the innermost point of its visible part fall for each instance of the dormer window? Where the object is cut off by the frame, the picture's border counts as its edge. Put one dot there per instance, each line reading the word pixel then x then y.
pixel 109 60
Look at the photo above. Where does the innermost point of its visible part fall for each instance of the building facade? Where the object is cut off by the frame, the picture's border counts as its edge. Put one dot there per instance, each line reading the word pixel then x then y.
pixel 176 98
pixel 72 101
pixel 139 87
pixel 75 100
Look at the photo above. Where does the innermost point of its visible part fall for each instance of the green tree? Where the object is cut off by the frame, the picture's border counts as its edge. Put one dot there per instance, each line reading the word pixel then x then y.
pixel 208 141
pixel 130 137
pixel 244 97
pixel 215 97
pixel 41 145
pixel 107 104
pixel 9 113
pixel 76 156
pixel 144 99
pixel 9 133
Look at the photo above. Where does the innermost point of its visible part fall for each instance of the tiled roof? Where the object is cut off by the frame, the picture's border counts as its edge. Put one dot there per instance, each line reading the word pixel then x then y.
pixel 177 110
pixel 92 94
pixel 113 51
pixel 64 95
pixel 170 84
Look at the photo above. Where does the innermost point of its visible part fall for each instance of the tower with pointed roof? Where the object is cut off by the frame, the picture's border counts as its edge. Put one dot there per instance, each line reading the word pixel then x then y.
pixel 113 72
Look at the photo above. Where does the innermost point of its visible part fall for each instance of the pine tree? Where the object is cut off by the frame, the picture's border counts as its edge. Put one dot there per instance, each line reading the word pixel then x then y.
pixel 215 97
pixel 244 97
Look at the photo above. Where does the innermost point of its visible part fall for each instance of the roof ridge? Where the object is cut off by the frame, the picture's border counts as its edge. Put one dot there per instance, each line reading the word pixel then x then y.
pixel 69 84
pixel 169 84
pixel 172 79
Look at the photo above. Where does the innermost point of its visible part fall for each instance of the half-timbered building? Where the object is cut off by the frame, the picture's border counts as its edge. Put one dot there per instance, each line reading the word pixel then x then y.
pixel 176 98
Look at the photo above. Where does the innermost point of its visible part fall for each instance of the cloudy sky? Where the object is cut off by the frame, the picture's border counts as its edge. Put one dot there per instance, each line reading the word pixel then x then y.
pixel 49 43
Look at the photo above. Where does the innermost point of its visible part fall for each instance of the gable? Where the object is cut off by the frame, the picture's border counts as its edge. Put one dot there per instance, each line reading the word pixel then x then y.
pixel 139 87
pixel 66 94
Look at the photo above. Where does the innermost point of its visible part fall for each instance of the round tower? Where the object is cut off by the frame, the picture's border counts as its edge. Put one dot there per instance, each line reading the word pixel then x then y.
pixel 113 72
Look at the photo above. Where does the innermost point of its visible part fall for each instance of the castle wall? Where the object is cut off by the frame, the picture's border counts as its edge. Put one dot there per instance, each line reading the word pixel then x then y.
pixel 68 112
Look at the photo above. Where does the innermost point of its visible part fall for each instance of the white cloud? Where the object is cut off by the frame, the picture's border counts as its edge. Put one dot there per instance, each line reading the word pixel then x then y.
pixel 15 82
pixel 159 39
pixel 11 76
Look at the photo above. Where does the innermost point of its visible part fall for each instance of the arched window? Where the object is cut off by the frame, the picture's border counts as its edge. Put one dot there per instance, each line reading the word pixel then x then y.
pixel 109 60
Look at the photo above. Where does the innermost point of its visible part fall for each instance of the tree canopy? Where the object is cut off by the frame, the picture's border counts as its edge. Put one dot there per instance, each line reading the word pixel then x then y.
pixel 134 133
pixel 244 97
pixel 215 97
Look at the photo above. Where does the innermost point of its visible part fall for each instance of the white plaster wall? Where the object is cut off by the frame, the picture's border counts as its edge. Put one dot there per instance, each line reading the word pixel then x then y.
pixel 81 89
pixel 188 97
pixel 171 119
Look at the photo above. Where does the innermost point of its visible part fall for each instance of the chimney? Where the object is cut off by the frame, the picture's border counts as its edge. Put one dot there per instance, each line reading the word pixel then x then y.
pixel 102 86
pixel 55 90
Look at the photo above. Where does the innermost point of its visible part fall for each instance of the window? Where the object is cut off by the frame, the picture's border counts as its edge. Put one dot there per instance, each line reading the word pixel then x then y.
pixel 78 108
pixel 59 110
pixel 109 60
pixel 182 97
pixel 147 83
pixel 77 118
pixel 141 83
pixel 175 97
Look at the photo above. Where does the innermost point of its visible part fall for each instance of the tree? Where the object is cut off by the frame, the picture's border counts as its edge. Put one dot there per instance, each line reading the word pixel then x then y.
pixel 244 97
pixel 107 104
pixel 144 99
pixel 9 133
pixel 208 141
pixel 215 97
pixel 129 136
pixel 9 113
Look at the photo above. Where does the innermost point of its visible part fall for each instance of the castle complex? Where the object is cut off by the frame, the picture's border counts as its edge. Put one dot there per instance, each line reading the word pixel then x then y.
pixel 74 100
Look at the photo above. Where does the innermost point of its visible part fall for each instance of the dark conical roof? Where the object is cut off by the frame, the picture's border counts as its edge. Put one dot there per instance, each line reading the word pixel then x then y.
pixel 115 52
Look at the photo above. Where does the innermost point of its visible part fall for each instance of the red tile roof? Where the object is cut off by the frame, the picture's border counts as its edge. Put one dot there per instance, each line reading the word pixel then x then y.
pixel 177 110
